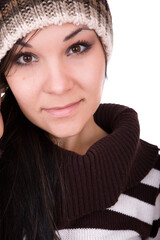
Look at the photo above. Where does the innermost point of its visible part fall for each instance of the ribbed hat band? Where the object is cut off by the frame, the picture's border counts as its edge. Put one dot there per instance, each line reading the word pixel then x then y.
pixel 20 17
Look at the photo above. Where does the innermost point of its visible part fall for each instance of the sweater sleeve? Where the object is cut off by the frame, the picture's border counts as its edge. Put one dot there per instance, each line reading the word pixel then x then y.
pixel 155 231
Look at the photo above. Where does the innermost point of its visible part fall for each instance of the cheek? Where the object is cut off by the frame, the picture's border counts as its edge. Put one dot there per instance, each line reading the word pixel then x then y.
pixel 21 90
pixel 94 74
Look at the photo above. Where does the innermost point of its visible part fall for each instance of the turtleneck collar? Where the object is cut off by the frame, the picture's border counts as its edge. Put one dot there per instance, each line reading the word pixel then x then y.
pixel 137 155
pixel 113 164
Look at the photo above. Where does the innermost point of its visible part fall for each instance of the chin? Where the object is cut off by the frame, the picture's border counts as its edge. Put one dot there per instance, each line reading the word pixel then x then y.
pixel 65 132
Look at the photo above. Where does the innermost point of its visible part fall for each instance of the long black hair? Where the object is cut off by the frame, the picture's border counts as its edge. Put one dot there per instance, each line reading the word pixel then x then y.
pixel 30 174
pixel 31 168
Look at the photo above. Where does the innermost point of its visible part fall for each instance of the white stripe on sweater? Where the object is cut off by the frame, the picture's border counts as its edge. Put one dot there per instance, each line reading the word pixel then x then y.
pixel 157 209
pixel 152 178
pixel 97 234
pixel 133 207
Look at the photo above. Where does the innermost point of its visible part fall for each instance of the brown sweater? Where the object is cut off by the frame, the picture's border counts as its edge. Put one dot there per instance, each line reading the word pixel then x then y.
pixel 118 169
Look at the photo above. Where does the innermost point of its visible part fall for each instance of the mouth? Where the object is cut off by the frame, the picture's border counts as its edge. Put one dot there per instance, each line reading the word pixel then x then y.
pixel 63 111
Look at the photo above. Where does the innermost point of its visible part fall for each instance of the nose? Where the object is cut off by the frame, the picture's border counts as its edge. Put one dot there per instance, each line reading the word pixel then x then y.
pixel 58 78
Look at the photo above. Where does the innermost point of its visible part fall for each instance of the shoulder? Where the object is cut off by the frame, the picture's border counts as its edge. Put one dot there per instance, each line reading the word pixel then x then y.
pixel 140 204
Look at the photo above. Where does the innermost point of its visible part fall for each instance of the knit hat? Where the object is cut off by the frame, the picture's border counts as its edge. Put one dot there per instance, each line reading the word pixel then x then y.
pixel 20 17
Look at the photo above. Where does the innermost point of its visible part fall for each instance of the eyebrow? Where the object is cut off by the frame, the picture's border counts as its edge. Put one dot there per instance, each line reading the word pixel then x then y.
pixel 74 33
pixel 23 44
pixel 68 37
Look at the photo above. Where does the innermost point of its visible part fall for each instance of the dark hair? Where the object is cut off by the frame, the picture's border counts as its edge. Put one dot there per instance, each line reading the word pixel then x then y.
pixel 30 175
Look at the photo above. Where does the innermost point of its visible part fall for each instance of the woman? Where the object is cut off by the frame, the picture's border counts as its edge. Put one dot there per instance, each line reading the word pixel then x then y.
pixel 70 168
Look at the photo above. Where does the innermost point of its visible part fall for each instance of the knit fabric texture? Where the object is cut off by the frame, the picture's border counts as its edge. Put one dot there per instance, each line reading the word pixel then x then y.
pixel 113 189
pixel 20 17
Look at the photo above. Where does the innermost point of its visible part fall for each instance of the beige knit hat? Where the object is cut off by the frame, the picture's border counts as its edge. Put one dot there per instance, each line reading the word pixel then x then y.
pixel 19 17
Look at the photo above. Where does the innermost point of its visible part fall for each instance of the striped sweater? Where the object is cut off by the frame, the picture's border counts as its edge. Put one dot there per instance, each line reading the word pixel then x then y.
pixel 113 190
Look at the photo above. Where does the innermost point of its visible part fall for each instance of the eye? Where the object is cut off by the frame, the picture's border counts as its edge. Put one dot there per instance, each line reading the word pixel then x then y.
pixel 79 48
pixel 25 59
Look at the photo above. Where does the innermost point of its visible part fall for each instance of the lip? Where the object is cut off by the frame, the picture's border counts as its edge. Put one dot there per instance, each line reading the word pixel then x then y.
pixel 63 111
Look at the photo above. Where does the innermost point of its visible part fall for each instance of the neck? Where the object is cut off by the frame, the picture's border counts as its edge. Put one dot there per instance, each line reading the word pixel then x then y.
pixel 82 141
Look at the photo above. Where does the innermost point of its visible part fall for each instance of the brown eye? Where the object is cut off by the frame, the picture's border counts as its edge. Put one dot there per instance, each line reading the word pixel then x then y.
pixel 79 48
pixel 27 58
pixel 76 49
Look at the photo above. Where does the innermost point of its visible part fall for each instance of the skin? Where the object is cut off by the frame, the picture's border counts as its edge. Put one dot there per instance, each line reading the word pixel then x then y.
pixel 56 77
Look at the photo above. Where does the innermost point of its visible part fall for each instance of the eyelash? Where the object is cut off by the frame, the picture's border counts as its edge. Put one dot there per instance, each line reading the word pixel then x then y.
pixel 83 43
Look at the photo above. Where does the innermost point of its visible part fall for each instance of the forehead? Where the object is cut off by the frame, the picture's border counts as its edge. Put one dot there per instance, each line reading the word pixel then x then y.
pixel 54 31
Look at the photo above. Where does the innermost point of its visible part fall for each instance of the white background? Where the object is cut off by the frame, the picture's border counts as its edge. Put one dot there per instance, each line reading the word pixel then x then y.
pixel 134 68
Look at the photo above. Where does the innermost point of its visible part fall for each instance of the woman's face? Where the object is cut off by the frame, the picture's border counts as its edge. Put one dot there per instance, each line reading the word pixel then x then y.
pixel 57 78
